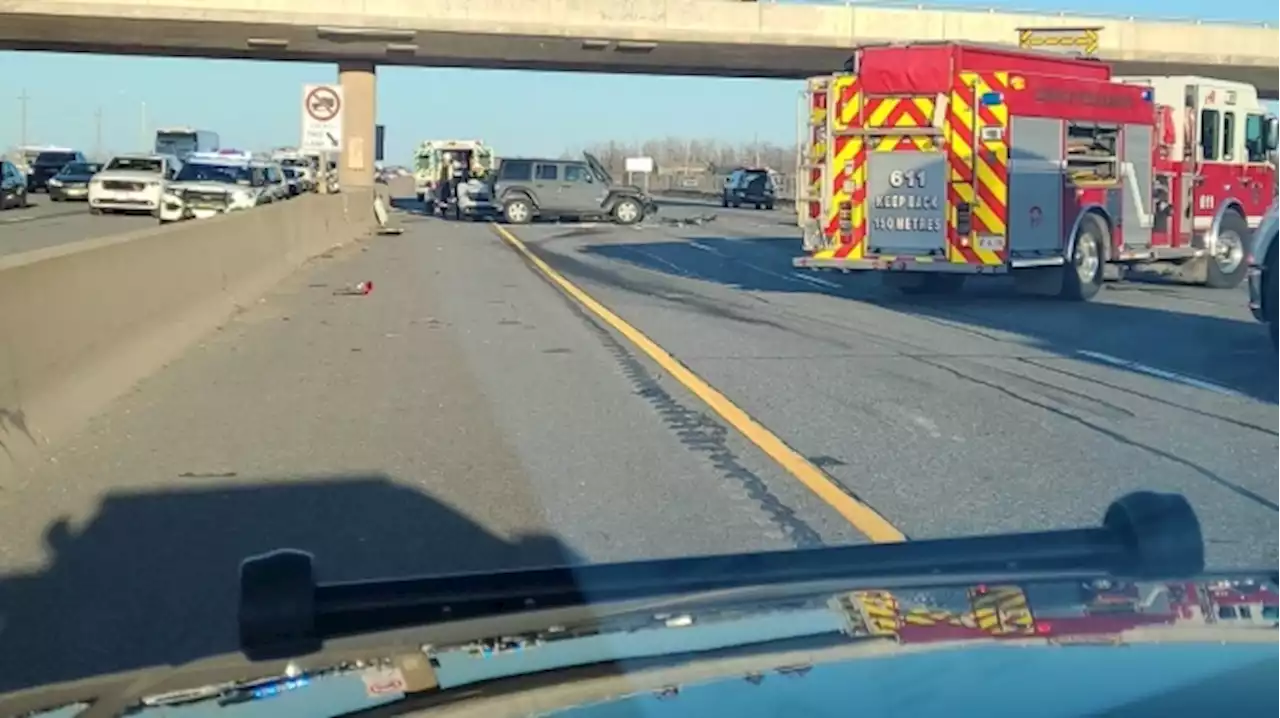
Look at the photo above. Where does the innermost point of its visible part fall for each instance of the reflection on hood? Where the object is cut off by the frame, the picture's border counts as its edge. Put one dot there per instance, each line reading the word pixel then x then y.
pixel 1001 650
pixel 994 681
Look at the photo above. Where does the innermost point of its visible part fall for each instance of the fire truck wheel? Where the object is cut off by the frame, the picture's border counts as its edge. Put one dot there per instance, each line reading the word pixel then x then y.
pixel 517 210
pixel 1082 276
pixel 1227 266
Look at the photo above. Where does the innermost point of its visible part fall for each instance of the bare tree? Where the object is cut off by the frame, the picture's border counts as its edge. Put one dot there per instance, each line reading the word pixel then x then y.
pixel 690 155
pixel 694 164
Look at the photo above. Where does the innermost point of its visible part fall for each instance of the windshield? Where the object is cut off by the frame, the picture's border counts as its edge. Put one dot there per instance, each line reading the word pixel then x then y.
pixel 177 144
pixel 81 168
pixel 54 159
pixel 135 164
pixel 226 174
pixel 959 290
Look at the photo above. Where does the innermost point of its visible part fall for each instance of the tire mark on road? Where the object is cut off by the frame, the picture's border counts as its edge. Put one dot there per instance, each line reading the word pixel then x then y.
pixel 704 435
pixel 696 430
pixel 1115 436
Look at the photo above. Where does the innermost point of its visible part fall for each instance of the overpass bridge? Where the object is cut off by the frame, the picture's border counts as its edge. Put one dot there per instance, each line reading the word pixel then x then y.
pixel 688 37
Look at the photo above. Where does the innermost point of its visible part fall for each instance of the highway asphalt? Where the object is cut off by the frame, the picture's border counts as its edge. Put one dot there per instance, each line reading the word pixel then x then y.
pixel 467 415
pixel 47 224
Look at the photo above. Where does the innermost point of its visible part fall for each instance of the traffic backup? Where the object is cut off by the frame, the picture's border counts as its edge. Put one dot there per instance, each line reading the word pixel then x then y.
pixel 933 162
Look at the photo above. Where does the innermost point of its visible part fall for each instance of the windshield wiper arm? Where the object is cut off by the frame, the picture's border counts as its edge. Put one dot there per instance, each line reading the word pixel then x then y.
pixel 284 612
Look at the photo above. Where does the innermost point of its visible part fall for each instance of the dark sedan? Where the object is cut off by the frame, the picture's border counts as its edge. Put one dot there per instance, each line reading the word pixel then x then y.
pixel 72 182
pixel 47 164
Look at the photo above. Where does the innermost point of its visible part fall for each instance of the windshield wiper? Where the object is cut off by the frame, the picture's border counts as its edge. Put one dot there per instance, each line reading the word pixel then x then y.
pixel 285 613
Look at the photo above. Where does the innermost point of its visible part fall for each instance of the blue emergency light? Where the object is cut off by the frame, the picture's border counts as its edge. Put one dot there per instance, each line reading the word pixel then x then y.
pixel 1148 94
pixel 991 99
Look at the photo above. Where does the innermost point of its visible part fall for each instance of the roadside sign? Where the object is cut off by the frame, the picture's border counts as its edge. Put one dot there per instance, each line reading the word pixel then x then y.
pixel 1080 41
pixel 639 164
pixel 322 107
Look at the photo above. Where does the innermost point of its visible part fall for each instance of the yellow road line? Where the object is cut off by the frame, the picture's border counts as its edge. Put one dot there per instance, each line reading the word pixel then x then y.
pixel 863 517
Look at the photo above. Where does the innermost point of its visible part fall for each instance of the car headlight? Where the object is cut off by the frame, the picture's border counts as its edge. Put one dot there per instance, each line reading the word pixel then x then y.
pixel 55 182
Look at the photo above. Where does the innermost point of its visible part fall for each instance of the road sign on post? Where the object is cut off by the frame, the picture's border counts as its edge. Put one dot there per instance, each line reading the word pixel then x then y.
pixel 1079 41
pixel 641 165
pixel 322 107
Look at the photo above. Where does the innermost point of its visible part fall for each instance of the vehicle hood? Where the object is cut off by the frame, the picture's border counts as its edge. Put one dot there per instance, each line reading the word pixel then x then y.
pixel 128 175
pixel 74 178
pixel 211 187
pixel 909 652
pixel 1044 613
pixel 598 168
pixel 994 680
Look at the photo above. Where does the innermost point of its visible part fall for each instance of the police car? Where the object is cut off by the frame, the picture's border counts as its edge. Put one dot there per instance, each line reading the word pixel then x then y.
pixel 213 183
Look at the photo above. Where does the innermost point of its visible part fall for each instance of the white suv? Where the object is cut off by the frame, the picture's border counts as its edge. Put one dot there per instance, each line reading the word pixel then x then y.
pixel 131 183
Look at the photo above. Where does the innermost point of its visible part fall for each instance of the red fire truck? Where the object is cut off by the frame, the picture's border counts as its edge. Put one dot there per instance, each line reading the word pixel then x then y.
pixel 933 162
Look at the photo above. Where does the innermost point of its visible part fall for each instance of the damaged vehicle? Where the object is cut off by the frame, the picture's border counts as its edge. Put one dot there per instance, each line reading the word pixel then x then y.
pixel 211 185
pixel 529 188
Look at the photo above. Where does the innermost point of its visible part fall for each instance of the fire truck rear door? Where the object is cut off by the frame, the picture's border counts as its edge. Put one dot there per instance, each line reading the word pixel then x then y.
pixel 906 179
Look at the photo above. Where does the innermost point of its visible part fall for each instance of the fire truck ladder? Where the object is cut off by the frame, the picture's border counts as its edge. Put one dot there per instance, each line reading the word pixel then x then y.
pixel 814 154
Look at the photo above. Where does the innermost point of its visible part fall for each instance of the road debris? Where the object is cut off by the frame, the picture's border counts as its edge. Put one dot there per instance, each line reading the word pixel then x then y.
pixel 695 221
pixel 357 289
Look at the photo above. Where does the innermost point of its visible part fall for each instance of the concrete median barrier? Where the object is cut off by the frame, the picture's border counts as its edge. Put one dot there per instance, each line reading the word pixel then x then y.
pixel 81 323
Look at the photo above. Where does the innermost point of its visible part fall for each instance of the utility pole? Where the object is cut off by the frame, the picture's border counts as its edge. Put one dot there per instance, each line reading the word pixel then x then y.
pixel 97 126
pixel 22 114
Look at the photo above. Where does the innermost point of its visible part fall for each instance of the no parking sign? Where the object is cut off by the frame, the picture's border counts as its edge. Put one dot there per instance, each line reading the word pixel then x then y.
pixel 322 107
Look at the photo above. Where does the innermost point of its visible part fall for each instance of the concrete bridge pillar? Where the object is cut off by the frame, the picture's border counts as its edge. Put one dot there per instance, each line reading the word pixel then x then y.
pixel 359 81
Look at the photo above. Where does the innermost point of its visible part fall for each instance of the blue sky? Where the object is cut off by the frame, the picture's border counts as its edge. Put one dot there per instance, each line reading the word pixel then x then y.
pixel 539 112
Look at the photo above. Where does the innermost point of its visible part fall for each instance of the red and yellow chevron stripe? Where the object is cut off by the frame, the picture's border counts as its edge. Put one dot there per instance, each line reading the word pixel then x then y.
pixel 976 145
pixel 845 222
pixel 900 112
pixel 879 611
pixel 979 168
pixel 1002 610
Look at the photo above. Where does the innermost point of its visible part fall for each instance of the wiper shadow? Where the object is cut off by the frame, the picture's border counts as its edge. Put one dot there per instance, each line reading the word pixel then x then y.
pixel 152 577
